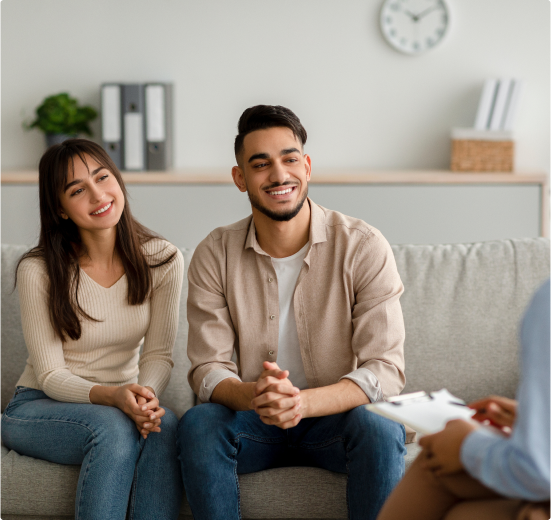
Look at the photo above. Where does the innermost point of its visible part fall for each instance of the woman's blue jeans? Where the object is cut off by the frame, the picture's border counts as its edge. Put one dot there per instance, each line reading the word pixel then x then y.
pixel 120 471
pixel 216 444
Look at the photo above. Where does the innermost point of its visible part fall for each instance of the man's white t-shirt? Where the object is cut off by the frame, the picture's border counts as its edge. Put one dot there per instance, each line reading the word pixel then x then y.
pixel 288 349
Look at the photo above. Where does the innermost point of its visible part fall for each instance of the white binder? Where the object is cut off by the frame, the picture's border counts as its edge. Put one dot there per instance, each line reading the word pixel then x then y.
pixel 111 124
pixel 133 127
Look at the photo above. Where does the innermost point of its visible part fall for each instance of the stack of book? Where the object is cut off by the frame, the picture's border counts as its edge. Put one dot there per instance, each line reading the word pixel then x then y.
pixel 136 125
pixel 489 145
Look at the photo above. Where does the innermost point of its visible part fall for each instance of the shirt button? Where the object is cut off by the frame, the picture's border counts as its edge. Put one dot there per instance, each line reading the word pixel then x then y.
pixel 272 317
pixel 270 280
pixel 271 352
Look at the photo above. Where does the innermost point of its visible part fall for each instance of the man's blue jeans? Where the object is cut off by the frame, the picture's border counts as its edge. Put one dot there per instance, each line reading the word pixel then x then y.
pixel 116 462
pixel 216 444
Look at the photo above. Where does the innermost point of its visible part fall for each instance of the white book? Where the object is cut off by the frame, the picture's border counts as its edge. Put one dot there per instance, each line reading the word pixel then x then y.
pixel 498 112
pixel 425 412
pixel 485 104
pixel 512 106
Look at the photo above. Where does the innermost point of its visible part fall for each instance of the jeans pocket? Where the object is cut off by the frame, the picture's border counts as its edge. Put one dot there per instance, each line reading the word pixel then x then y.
pixel 21 389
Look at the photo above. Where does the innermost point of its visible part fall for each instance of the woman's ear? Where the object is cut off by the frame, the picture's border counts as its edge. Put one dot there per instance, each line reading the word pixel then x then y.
pixel 63 215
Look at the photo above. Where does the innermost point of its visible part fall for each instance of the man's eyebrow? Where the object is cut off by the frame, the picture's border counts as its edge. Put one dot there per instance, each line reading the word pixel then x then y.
pixel 287 151
pixel 78 181
pixel 258 156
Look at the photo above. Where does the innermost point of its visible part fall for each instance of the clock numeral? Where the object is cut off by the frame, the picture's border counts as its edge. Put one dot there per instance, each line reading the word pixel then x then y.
pixel 395 7
pixel 388 19
pixel 439 32
pixel 416 46
pixel 403 41
pixel 430 42
pixel 392 32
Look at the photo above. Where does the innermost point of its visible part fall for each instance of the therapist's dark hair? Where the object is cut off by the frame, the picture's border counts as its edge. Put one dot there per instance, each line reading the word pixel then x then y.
pixel 262 117
pixel 60 244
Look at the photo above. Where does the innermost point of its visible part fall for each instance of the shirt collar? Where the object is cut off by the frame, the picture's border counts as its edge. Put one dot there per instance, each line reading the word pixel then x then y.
pixel 317 230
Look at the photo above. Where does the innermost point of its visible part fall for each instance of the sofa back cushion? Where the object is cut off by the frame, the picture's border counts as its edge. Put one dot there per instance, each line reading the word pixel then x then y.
pixel 14 351
pixel 462 305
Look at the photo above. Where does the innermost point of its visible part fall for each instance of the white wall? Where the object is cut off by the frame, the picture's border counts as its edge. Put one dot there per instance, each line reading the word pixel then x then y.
pixel 363 104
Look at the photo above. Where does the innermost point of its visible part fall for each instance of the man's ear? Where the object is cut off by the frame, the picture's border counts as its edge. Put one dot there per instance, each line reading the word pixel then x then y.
pixel 239 178
pixel 308 166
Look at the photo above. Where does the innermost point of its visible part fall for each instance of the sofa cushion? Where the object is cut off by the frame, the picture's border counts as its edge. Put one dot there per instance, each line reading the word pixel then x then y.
pixel 178 395
pixel 276 493
pixel 462 305
pixel 14 350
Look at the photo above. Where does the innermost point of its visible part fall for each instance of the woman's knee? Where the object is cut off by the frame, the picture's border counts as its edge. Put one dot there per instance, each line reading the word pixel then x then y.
pixel 113 430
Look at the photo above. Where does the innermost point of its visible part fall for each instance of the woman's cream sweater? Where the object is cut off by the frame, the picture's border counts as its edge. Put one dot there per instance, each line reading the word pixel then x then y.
pixel 107 352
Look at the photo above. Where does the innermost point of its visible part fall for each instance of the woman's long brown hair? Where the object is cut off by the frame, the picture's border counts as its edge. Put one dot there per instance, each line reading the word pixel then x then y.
pixel 60 245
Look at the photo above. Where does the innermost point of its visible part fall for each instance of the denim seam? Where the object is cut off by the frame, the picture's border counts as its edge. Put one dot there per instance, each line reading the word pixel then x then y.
pixel 270 440
pixel 49 420
pixel 347 478
pixel 324 444
pixel 85 475
pixel 236 440
pixel 132 504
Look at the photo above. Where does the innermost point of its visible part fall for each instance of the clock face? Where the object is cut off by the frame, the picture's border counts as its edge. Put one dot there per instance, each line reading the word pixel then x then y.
pixel 414 26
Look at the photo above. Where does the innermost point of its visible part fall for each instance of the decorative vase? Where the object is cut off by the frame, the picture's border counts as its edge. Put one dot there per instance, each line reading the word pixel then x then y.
pixel 52 139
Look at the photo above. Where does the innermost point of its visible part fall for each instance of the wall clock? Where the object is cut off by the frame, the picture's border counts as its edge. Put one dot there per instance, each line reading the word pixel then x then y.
pixel 414 26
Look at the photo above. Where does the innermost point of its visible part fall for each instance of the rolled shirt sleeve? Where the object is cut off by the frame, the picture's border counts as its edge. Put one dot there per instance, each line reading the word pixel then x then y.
pixel 368 382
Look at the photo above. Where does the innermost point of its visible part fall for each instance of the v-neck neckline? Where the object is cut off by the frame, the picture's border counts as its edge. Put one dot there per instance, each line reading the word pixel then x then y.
pixel 98 284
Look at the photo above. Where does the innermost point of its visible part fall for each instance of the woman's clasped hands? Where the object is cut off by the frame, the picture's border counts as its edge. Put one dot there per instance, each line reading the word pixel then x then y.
pixel 138 402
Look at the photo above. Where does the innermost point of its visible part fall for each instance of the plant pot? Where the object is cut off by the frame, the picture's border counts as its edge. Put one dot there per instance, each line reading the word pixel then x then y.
pixel 52 139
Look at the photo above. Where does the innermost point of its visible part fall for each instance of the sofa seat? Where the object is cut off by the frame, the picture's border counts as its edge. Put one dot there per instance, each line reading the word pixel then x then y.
pixel 275 493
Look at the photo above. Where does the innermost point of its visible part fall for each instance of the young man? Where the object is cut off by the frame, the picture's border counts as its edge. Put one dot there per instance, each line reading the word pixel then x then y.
pixel 308 300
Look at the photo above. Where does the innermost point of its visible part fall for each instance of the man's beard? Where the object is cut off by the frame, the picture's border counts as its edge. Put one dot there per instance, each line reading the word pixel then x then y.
pixel 283 216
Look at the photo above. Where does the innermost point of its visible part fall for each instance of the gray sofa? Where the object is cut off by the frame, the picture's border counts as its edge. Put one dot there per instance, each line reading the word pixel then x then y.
pixel 462 304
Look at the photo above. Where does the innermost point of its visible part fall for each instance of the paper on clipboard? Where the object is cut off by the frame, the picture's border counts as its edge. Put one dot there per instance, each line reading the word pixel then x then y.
pixel 424 412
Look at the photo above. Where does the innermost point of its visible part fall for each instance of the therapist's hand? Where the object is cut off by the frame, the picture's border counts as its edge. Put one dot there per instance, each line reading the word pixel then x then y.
pixel 441 451
pixel 500 412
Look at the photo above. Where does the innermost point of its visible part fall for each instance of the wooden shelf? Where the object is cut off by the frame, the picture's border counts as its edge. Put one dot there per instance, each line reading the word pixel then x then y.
pixel 318 177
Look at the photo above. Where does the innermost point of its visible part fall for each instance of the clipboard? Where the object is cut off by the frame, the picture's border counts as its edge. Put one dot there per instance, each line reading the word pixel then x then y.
pixel 425 412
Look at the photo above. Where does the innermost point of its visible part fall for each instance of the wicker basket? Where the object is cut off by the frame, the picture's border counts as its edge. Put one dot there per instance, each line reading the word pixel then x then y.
pixel 482 156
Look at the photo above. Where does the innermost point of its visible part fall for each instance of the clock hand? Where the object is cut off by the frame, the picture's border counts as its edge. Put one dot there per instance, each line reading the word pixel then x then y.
pixel 411 15
pixel 425 12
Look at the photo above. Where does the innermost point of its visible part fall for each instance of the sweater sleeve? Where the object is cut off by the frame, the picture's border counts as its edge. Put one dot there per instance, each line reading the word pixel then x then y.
pixel 45 348
pixel 156 360
pixel 518 466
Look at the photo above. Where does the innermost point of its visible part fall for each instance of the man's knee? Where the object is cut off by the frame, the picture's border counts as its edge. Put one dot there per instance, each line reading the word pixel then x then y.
pixel 375 429
pixel 203 426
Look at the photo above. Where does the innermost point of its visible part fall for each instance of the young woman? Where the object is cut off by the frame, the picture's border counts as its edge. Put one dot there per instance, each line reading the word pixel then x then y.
pixel 470 473
pixel 96 285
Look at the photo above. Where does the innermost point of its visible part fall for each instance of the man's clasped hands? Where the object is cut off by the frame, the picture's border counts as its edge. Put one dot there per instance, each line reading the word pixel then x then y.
pixel 277 401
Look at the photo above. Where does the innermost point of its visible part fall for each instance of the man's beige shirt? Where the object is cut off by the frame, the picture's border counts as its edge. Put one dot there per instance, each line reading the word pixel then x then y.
pixel 347 309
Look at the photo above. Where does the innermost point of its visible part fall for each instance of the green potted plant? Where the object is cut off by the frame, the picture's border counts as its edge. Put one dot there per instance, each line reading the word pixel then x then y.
pixel 60 118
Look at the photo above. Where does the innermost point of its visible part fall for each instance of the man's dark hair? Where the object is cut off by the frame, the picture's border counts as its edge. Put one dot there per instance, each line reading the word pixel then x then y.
pixel 262 117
